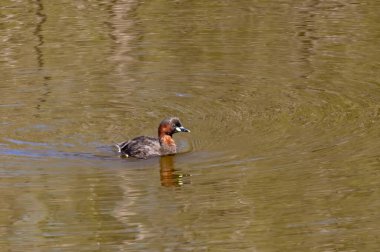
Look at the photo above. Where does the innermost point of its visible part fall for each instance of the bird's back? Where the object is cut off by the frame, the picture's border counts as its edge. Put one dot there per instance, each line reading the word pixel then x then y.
pixel 141 147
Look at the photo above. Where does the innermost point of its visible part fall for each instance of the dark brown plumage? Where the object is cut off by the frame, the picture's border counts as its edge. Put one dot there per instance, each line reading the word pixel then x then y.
pixel 145 147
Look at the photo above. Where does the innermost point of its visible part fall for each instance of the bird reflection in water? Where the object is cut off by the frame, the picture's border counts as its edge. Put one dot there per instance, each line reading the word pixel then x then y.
pixel 169 175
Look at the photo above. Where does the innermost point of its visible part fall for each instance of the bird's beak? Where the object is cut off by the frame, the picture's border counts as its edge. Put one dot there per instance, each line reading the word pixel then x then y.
pixel 181 129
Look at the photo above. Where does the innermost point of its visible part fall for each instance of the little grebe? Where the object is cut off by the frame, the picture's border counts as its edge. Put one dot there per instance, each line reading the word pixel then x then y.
pixel 145 147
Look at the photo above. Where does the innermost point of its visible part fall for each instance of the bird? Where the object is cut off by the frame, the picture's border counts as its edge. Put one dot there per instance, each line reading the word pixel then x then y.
pixel 144 147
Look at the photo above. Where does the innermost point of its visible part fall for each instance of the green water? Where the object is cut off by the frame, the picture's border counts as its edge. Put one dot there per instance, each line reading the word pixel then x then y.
pixel 282 100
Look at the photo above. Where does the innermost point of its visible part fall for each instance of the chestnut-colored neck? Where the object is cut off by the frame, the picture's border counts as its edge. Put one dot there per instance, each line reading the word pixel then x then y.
pixel 164 130
pixel 167 140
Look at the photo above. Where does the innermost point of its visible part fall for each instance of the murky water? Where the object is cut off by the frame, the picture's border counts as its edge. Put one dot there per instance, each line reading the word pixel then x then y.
pixel 283 103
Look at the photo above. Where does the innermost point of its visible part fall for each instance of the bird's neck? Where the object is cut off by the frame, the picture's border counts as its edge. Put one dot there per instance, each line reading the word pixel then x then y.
pixel 166 140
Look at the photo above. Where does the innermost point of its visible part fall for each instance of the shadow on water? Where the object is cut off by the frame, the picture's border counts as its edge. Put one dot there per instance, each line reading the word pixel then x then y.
pixel 46 91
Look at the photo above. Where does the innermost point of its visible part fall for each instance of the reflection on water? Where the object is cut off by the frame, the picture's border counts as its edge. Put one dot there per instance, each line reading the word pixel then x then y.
pixel 283 101
pixel 170 176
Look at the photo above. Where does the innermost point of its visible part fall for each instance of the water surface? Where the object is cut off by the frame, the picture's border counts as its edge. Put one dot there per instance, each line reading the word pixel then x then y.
pixel 282 100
